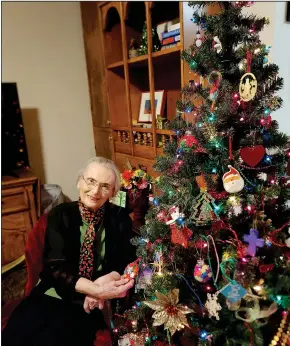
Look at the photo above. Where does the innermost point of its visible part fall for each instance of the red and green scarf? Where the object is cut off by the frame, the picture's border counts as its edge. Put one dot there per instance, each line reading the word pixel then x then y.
pixel 94 220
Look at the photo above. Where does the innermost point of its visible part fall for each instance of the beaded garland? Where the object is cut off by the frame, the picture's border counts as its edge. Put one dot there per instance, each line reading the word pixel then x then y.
pixel 282 337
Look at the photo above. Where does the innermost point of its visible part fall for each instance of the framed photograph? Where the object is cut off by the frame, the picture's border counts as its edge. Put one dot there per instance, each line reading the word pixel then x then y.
pixel 288 11
pixel 145 113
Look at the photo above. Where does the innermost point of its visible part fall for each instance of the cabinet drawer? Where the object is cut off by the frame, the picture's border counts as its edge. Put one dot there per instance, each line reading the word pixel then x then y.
pixel 15 228
pixel 14 200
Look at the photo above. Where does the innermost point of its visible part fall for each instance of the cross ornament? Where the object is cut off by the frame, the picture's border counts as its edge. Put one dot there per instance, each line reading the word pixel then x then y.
pixel 253 241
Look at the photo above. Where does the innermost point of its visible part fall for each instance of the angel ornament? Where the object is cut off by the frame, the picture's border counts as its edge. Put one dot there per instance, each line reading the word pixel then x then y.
pixel 248 87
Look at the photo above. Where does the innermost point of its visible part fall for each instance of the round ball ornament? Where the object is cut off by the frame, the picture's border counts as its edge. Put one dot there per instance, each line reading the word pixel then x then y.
pixel 193 65
pixel 242 65
pixel 202 272
pixel 248 87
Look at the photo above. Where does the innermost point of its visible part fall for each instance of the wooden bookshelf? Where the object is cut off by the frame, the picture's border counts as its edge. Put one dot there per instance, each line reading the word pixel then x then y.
pixel 108 29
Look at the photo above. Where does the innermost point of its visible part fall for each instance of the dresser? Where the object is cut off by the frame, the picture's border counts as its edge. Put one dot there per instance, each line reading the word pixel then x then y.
pixel 20 206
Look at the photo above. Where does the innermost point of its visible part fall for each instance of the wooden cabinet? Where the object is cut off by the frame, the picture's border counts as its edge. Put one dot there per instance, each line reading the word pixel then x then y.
pixel 117 82
pixel 20 209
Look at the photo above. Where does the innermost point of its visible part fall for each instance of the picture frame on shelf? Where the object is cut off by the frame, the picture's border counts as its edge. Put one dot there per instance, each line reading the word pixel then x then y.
pixel 145 115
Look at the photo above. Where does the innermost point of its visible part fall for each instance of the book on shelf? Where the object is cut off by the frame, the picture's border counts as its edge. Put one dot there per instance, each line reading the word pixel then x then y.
pixel 164 27
pixel 172 39
pixel 170 33
pixel 175 44
pixel 174 27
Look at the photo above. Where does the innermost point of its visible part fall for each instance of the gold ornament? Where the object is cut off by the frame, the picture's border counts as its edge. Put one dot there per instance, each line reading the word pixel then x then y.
pixel 282 336
pixel 248 87
pixel 168 311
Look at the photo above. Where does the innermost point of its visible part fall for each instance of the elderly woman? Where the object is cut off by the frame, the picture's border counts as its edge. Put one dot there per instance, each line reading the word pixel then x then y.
pixel 87 245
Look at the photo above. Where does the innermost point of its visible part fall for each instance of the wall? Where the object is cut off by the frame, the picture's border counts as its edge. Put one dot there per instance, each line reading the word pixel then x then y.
pixel 276 34
pixel 43 51
pixel 281 57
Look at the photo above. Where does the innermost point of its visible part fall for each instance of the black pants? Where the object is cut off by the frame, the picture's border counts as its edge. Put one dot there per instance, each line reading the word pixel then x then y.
pixel 40 320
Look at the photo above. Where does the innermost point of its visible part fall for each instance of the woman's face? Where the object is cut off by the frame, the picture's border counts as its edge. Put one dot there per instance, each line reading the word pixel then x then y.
pixel 96 185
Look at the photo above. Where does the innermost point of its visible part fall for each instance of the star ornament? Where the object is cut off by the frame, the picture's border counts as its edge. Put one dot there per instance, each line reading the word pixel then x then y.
pixel 168 311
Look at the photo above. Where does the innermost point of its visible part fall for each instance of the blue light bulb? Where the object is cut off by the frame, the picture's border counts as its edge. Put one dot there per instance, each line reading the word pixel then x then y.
pixel 155 202
pixel 203 334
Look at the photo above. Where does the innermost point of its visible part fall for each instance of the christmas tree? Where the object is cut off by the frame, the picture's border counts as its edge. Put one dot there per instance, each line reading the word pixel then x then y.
pixel 214 259
pixel 143 49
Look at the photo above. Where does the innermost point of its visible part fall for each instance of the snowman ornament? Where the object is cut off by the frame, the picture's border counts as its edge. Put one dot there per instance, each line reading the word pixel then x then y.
pixel 198 41
pixel 232 181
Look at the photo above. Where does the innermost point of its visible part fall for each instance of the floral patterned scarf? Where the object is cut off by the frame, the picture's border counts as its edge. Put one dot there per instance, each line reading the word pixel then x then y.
pixel 94 219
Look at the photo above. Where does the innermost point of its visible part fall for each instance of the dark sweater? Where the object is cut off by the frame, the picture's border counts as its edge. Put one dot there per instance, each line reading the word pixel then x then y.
pixel 62 247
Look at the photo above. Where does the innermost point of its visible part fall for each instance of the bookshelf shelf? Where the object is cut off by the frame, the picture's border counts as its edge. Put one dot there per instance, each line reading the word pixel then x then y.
pixel 115 64
pixel 125 79
pixel 167 51
pixel 164 132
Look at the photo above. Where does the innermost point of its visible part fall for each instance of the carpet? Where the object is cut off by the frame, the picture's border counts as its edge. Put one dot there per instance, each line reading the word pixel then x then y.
pixel 13 283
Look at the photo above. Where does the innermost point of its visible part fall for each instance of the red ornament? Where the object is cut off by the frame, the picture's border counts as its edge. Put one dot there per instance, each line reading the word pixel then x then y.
pixel 266 121
pixel 265 268
pixel 189 142
pixel 180 236
pixel 252 155
pixel 132 270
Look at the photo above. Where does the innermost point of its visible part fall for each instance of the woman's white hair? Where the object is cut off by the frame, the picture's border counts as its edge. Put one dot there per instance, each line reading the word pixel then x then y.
pixel 107 163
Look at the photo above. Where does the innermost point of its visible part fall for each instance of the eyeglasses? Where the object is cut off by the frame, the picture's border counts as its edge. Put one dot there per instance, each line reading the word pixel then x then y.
pixel 92 183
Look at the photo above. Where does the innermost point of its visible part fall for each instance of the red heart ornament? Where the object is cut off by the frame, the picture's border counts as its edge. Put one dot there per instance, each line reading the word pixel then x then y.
pixel 252 155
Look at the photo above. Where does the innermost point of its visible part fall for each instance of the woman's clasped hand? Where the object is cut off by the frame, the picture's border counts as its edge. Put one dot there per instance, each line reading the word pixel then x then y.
pixel 110 286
